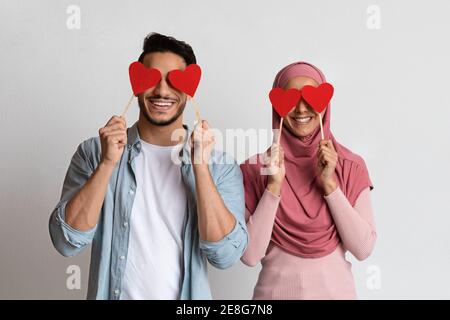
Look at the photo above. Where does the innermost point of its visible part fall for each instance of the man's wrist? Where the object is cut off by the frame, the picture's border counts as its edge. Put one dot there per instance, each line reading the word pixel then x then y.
pixel 106 165
pixel 200 168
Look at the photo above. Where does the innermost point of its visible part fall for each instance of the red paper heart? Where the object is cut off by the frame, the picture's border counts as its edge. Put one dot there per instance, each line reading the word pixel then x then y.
pixel 318 97
pixel 186 80
pixel 283 101
pixel 143 78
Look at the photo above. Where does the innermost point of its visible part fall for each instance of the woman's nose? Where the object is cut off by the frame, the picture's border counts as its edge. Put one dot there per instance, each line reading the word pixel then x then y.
pixel 302 107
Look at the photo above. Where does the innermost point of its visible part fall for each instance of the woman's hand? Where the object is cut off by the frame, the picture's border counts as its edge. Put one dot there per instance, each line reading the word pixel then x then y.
pixel 326 165
pixel 274 165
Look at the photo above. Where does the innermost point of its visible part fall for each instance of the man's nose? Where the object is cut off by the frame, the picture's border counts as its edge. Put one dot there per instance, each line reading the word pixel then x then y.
pixel 162 88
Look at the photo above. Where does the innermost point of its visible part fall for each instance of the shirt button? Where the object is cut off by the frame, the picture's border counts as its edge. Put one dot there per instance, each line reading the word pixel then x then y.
pixel 116 292
pixel 125 224
pixel 131 191
pixel 122 257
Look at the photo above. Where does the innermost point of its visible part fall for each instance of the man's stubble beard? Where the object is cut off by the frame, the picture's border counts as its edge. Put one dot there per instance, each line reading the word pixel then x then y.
pixel 147 116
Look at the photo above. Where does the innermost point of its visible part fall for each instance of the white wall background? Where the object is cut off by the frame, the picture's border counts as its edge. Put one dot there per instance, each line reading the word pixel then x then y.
pixel 391 105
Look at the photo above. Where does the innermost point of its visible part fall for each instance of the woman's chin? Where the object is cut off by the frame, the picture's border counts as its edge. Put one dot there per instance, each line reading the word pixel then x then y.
pixel 300 131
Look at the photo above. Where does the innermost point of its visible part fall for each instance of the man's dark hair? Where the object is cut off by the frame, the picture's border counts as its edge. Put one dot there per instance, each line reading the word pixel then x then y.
pixel 156 42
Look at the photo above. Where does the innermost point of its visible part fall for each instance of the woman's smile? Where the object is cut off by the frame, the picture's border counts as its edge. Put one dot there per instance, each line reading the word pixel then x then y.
pixel 302 120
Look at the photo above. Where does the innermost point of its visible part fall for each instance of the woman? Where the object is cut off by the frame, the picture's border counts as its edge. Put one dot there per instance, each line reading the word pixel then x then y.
pixel 304 217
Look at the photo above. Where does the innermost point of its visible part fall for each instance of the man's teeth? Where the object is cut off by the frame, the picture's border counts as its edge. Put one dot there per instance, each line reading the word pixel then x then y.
pixel 162 104
pixel 303 119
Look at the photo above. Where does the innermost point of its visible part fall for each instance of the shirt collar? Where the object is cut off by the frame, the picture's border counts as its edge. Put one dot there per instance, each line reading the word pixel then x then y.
pixel 134 144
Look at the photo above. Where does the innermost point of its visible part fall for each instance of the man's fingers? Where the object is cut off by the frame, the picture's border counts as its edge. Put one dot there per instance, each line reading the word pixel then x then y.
pixel 117 139
pixel 112 127
pixel 106 133
pixel 203 135
pixel 114 135
pixel 115 119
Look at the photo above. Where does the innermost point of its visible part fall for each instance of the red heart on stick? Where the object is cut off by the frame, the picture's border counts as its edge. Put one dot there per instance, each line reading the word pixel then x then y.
pixel 284 100
pixel 186 80
pixel 318 97
pixel 143 78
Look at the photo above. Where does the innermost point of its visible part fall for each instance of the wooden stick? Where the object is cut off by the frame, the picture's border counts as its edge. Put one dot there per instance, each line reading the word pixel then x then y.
pixel 321 126
pixel 197 109
pixel 279 131
pixel 128 105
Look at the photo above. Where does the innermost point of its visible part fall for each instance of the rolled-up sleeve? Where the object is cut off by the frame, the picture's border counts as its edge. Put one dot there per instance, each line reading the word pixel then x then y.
pixel 224 253
pixel 67 240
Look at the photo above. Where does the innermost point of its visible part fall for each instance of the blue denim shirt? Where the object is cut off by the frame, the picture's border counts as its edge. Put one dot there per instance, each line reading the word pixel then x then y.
pixel 109 238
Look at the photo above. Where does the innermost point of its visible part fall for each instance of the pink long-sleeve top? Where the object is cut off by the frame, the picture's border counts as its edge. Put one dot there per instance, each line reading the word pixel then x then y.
pixel 286 276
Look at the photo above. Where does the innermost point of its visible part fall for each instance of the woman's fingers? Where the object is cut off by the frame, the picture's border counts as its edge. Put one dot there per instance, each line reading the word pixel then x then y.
pixel 330 144
pixel 272 157
pixel 321 158
pixel 326 154
pixel 275 154
pixel 326 147
pixel 329 153
pixel 281 157
pixel 327 159
pixel 206 125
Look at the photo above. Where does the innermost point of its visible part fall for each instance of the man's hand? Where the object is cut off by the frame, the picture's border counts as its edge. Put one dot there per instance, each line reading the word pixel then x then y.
pixel 113 138
pixel 202 143
pixel 83 210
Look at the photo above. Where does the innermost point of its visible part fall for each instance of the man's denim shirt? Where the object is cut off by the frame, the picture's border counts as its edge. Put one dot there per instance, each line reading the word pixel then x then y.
pixel 110 236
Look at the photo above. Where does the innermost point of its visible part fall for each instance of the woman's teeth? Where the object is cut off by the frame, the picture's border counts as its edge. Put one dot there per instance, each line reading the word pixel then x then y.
pixel 302 120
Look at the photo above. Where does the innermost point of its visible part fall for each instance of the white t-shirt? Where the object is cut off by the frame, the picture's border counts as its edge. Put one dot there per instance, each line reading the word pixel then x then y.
pixel 155 249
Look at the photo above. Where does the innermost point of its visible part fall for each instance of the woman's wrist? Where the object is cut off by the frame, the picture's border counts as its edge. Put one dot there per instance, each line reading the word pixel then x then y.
pixel 274 188
pixel 329 186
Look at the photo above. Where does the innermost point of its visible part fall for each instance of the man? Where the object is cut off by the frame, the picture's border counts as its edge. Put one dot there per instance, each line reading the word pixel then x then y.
pixel 153 218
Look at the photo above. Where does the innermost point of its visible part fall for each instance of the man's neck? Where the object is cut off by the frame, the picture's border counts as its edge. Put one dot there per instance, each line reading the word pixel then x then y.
pixel 161 135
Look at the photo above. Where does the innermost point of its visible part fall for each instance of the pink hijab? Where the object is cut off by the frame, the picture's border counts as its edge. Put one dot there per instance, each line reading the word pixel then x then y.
pixel 303 224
